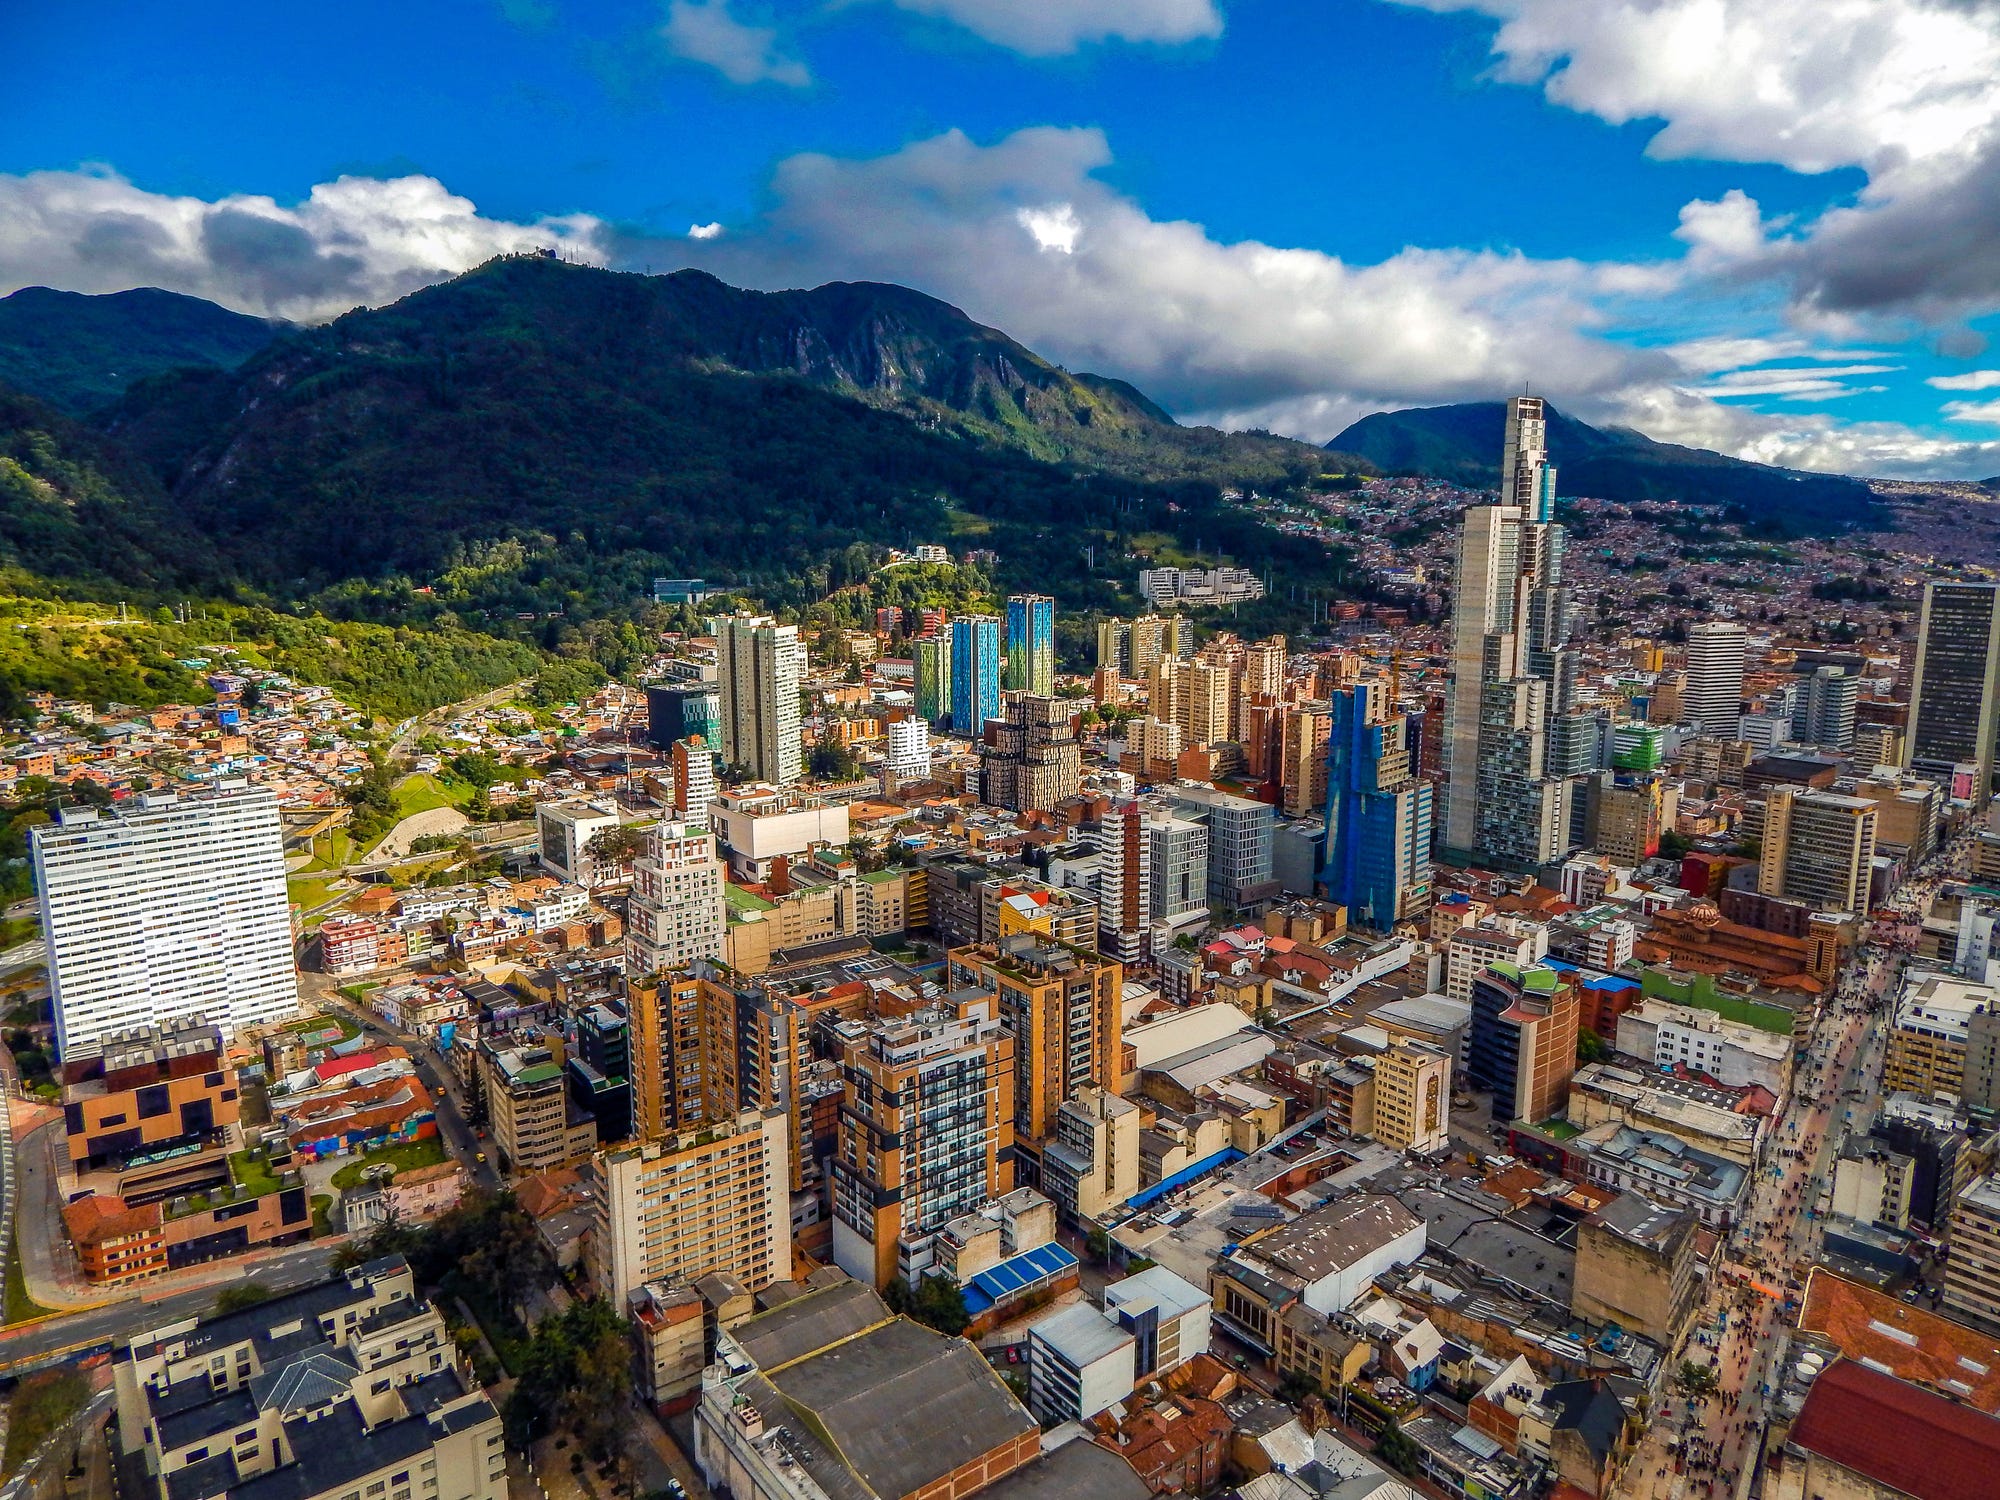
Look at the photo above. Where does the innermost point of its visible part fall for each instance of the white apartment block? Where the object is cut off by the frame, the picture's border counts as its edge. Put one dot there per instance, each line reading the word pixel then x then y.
pixel 166 910
pixel 909 754
pixel 1470 950
pixel 675 914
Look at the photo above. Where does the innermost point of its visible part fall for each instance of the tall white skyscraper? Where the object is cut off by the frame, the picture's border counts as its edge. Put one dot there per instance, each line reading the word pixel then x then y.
pixel 171 908
pixel 759 665
pixel 1511 669
pixel 675 914
pixel 1713 697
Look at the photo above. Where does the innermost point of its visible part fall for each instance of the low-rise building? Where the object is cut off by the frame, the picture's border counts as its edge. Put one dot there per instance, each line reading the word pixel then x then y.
pixel 1635 1264
pixel 1322 1259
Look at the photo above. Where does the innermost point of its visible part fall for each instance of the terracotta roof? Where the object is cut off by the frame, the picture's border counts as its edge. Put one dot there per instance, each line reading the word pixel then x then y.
pixel 1911 1343
pixel 1899 1435
pixel 103 1216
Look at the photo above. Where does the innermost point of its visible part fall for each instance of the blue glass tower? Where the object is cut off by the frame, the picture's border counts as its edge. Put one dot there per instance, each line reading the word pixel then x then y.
pixel 1031 644
pixel 1378 810
pixel 975 672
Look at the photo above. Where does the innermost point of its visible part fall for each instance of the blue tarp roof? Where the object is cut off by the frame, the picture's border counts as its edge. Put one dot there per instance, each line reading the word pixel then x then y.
pixel 1015 1275
pixel 1227 1156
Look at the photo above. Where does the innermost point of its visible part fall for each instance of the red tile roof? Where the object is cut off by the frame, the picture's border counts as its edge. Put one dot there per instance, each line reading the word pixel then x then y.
pixel 1899 1435
pixel 1909 1342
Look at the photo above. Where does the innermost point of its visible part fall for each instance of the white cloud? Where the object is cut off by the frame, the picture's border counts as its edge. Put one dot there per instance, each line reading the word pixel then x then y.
pixel 1973 411
pixel 1054 228
pixel 709 231
pixel 354 240
pixel 1047 28
pixel 1972 380
pixel 707 31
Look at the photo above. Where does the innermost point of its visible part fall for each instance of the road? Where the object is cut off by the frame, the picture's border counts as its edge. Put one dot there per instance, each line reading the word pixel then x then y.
pixel 415 729
pixel 1740 1334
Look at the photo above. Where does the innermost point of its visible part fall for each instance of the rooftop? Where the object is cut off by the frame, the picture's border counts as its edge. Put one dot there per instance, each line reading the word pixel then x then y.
pixel 1898 1435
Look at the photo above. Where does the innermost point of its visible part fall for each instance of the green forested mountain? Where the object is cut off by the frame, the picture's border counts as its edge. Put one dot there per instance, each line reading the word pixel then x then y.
pixel 1463 443
pixel 80 353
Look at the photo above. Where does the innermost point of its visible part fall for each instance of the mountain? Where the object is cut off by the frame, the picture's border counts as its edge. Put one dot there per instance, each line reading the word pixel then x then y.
pixel 1462 444
pixel 535 435
pixel 79 353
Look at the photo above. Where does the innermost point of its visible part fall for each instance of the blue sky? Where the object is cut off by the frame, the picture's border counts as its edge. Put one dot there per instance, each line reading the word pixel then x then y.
pixel 1280 212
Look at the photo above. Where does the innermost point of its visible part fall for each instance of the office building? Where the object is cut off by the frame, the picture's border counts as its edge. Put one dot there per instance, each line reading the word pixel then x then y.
pixel 1177 869
pixel 1031 644
pixel 1712 701
pixel 1637 745
pixel 1972 1275
pixel 1635 1264
pixel 1302 758
pixel 166 909
pixel 1114 639
pixel 1818 848
pixel 1930 1033
pixel 349 1387
pixel 675 713
pixel 926 1133
pixel 563 835
pixel 975 673
pixel 1091 1167
pixel 709 1201
pixel 1061 1008
pixel 1624 816
pixel 1823 712
pixel 1522 1046
pixel 1239 843
pixel 675 914
pixel 1512 673
pixel 1079 1364
pixel 759 668
pixel 908 754
pixel 1955 688
pixel 1735 1055
pixel 930 661
pixel 175 1139
pixel 1031 757
pixel 536 1126
pixel 1378 810
pixel 1413 1097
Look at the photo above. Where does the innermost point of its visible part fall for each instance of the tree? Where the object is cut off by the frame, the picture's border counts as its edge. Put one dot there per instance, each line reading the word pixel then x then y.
pixel 1397 1449
pixel 831 760
pixel 936 1303
pixel 1696 1380
pixel 1674 845
pixel 618 845
pixel 575 1380
pixel 1590 1046
pixel 236 1298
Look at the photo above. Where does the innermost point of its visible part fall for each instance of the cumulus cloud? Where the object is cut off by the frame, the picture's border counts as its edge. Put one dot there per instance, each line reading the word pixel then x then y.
pixel 708 32
pixel 1047 28
pixel 352 241
pixel 1972 380
pixel 1906 90
pixel 1973 411
pixel 708 231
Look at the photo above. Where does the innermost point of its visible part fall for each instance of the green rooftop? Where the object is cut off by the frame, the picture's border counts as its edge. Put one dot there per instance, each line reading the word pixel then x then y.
pixel 539 1073
pixel 741 900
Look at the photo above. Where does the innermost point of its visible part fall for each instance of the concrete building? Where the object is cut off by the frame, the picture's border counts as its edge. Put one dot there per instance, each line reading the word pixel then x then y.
pixel 349 1387
pixel 1955 687
pixel 1635 1263
pixel 930 659
pixel 563 833
pixel 1239 843
pixel 693 766
pixel 1470 951
pixel 1091 1168
pixel 1522 1046
pixel 1031 758
pixel 1864 1435
pixel 1412 1097
pixel 1930 1032
pixel 1728 1051
pixel 1972 1275
pixel 1322 1260
pixel 535 1125
pixel 675 914
pixel 1167 1317
pixel 1818 848
pixel 758 823
pixel 1823 714
pixel 1712 701
pixel 909 753
pixel 760 666
pixel 1664 1169
pixel 1079 1364
pixel 175 1140
pixel 167 909
pixel 712 1200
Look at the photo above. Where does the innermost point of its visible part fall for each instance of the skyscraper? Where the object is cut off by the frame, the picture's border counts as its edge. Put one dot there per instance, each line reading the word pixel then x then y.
pixel 165 909
pixel 1511 667
pixel 1378 810
pixel 931 658
pixel 1955 692
pixel 758 667
pixel 1713 699
pixel 1034 760
pixel 1823 713
pixel 1031 644
pixel 1818 848
pixel 975 673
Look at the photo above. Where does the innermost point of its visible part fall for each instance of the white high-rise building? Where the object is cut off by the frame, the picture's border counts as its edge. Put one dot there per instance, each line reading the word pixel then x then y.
pixel 675 914
pixel 759 665
pixel 1512 676
pixel 165 910
pixel 909 753
pixel 1713 699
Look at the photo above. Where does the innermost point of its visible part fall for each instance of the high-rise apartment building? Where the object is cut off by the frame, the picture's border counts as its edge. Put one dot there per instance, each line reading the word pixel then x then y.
pixel 1818 847
pixel 675 914
pixel 930 659
pixel 1303 768
pixel 1712 700
pixel 759 667
pixel 926 1132
pixel 1522 1044
pixel 166 909
pixel 1114 638
pixel 692 764
pixel 1512 672
pixel 1413 1097
pixel 1061 1007
pixel 1152 639
pixel 1972 1276
pixel 676 1024
pixel 1378 810
pixel 1264 668
pixel 707 1201
pixel 1624 816
pixel 1823 711
pixel 975 673
pixel 1031 644
pixel 908 757
pixel 1033 758
pixel 1955 689
pixel 1177 865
